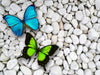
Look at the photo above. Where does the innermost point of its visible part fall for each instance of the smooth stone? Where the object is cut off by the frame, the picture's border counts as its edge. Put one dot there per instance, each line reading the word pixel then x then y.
pixel 75 39
pixel 66 66
pixel 55 70
pixel 80 72
pixel 77 31
pixel 2 26
pixel 43 9
pixel 68 40
pixel 74 65
pixel 1 66
pixel 38 3
pixel 97 3
pixel 66 51
pixel 67 26
pixel 38 72
pixel 61 33
pixel 79 49
pixel 48 29
pixel 98 47
pixel 97 72
pixel 2 11
pixel 35 65
pixel 84 58
pixel 83 39
pixel 6 2
pixel 91 65
pixel 25 70
pixel 54 39
pixel 46 42
pixel 73 56
pixel 58 61
pixel 48 2
pixel 9 72
pixel 55 27
pixel 55 17
pixel 88 72
pixel 74 23
pixel 62 11
pixel 79 15
pixel 12 63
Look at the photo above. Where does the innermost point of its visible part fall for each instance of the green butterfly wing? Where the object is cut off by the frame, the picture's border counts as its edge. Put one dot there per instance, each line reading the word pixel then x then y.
pixel 45 52
pixel 31 46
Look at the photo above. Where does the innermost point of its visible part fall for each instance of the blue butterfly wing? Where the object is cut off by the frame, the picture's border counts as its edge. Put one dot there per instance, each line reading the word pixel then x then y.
pixel 30 19
pixel 15 24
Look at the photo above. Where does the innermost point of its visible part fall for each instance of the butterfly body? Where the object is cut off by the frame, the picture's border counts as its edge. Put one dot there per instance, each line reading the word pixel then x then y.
pixel 30 21
pixel 43 53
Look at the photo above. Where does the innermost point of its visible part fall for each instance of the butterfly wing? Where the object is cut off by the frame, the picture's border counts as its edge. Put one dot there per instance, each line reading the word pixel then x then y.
pixel 15 24
pixel 30 19
pixel 31 46
pixel 44 54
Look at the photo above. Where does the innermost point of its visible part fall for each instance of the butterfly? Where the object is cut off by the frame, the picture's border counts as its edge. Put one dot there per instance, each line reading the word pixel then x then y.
pixel 43 54
pixel 30 20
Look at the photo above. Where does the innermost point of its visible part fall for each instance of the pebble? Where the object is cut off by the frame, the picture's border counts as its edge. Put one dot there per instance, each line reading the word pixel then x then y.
pixel 46 42
pixel 85 20
pixel 38 3
pixel 42 21
pixel 43 9
pixel 35 65
pixel 92 34
pixel 97 27
pixel 5 2
pixel 55 27
pixel 48 29
pixel 69 17
pixel 97 72
pixel 12 63
pixel 74 65
pixel 88 72
pixel 84 58
pixel 60 44
pixel 79 15
pixel 83 39
pixel 2 10
pixel 55 70
pixel 15 7
pixel 61 33
pixel 75 39
pixel 73 56
pixel 67 26
pixel 93 45
pixel 79 49
pixel 54 39
pixel 66 51
pixel 97 4
pixel 25 70
pixel 62 11
pixel 74 23
pixel 80 72
pixel 1 66
pixel 68 40
pixel 1 17
pixel 3 57
pixel 48 2
pixel 94 19
pixel 26 4
pixel 77 31
pixel 2 26
pixel 98 47
pixel 56 17
pixel 20 73
pixel 20 14
pixel 38 72
pixel 58 61
pixel 91 65
pixel 66 66
pixel 9 72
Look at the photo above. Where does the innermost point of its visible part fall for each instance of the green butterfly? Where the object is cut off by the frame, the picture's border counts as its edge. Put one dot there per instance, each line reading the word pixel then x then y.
pixel 43 53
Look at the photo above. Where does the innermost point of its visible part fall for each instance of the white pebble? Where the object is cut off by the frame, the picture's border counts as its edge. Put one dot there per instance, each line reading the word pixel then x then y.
pixel 9 72
pixel 84 58
pixel 15 7
pixel 49 3
pixel 94 19
pixel 48 29
pixel 38 3
pixel 56 17
pixel 61 33
pixel 88 72
pixel 75 39
pixel 43 9
pixel 74 65
pixel 55 70
pixel 68 40
pixel 12 63
pixel 73 56
pixel 80 72
pixel 38 72
pixel 64 1
pixel 77 31
pixel 62 11
pixel 74 23
pixel 67 26
pixel 2 26
pixel 79 15
pixel 46 42
pixel 69 17
pixel 54 39
pixel 1 17
pixel 66 66
pixel 66 51
pixel 98 47
pixel 2 10
pixel 35 65
pixel 1 66
pixel 91 65
pixel 58 61
pixel 85 20
pixel 97 2
pixel 5 2
pixel 20 14
pixel 93 45
pixel 42 21
pixel 93 35
pixel 25 70
pixel 79 49
pixel 97 72
pixel 20 73
pixel 97 27
pixel 83 39
pixel 55 27
pixel 60 44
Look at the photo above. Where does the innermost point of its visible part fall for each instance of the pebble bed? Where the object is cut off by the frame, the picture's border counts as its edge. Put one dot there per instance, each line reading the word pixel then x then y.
pixel 73 25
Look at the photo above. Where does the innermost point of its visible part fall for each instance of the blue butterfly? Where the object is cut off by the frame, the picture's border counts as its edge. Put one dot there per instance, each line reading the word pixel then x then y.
pixel 30 20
